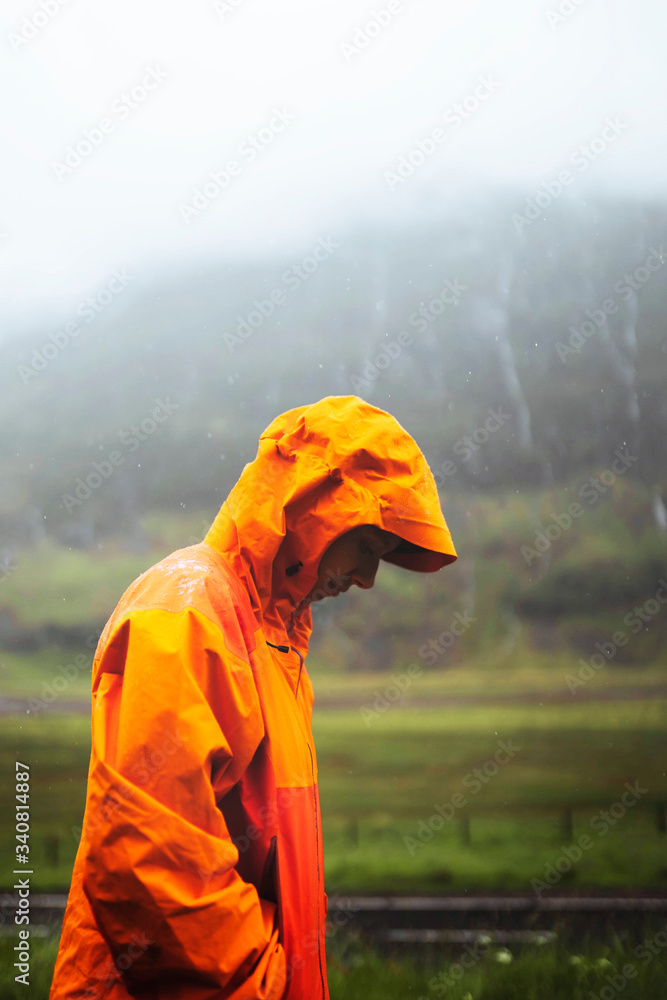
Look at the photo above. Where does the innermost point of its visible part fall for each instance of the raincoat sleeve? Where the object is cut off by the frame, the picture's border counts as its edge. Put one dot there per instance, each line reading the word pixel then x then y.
pixel 176 721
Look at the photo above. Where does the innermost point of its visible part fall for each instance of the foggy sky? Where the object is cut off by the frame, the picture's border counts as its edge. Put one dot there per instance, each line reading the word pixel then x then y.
pixel 221 72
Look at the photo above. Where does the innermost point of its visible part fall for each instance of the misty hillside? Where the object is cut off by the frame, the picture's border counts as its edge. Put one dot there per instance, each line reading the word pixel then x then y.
pixel 546 346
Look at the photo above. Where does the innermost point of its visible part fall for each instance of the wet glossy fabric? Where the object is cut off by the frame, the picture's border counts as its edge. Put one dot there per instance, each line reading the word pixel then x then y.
pixel 200 868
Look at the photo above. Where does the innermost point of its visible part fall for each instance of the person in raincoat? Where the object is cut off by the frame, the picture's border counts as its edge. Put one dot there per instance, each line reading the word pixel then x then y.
pixel 200 871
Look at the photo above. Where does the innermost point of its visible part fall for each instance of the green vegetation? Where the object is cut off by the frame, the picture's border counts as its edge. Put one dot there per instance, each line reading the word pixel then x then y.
pixel 31 676
pixel 380 783
pixel 57 586
pixel 519 605
pixel 43 951
pixel 57 750
pixel 535 972
pixel 393 765
pixel 541 595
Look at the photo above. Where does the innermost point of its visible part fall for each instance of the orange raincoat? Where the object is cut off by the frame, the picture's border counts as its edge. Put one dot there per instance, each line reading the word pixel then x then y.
pixel 199 873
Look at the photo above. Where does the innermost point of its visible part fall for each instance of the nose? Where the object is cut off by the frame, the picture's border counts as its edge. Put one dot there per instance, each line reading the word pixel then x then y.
pixel 364 579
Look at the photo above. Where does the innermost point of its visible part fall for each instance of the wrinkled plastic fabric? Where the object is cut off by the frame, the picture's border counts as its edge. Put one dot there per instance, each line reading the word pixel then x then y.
pixel 200 872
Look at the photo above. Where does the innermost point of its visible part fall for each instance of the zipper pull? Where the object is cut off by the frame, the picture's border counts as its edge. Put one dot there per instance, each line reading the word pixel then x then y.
pixel 286 649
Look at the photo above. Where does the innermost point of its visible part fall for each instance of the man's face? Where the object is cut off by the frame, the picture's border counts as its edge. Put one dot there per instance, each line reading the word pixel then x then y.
pixel 351 559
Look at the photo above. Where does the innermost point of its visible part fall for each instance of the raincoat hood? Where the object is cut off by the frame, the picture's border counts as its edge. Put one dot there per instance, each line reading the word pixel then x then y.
pixel 320 471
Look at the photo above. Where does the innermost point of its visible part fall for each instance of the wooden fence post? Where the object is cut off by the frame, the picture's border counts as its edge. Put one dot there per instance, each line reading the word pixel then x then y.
pixel 52 850
pixel 567 828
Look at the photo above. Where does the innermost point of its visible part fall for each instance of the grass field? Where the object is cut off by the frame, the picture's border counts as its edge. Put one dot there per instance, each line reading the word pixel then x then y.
pixel 423 799
pixel 387 782
pixel 634 969
pixel 383 777
pixel 53 675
